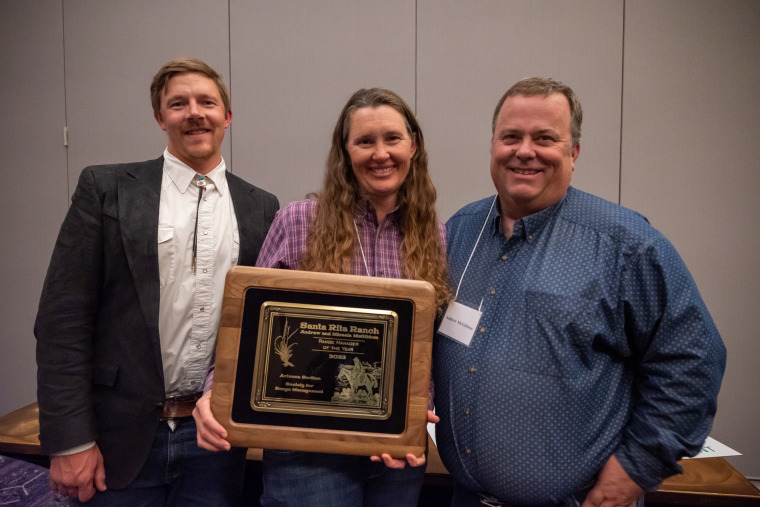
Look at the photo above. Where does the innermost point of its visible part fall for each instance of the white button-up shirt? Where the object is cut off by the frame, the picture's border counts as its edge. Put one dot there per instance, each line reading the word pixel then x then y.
pixel 191 302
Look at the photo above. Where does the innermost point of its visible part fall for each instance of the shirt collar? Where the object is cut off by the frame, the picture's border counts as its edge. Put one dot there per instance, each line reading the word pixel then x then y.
pixel 365 211
pixel 182 174
pixel 527 227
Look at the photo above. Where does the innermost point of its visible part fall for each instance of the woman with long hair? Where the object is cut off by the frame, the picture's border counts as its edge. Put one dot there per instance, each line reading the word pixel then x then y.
pixel 374 216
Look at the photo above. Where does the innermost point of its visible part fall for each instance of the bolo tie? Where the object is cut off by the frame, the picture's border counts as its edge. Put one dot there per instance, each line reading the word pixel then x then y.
pixel 200 182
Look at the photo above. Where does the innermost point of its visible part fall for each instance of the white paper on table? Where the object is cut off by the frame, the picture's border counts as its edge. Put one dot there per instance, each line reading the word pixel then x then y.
pixel 714 449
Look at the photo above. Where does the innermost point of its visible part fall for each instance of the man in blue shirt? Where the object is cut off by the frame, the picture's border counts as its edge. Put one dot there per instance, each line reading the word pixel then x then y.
pixel 578 362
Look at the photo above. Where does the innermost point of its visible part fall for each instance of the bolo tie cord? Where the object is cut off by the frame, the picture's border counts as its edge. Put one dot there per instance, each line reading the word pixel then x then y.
pixel 200 181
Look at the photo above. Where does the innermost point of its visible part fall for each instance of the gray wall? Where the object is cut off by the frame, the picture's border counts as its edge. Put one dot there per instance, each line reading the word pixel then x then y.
pixel 669 89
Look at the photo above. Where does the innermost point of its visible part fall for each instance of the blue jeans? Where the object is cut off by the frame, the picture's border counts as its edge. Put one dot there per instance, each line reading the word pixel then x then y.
pixel 465 498
pixel 178 472
pixel 296 479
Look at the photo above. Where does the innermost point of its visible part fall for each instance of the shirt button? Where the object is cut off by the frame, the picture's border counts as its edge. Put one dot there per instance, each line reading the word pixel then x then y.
pixel 503 257
pixel 205 233
pixel 493 291
pixel 203 309
pixel 472 369
pixel 205 270
pixel 198 346
pixel 530 237
pixel 467 411
pixel 482 330
pixel 468 451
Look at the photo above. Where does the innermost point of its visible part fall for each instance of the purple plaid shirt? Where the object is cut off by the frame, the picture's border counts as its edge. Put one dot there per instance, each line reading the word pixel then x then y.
pixel 381 243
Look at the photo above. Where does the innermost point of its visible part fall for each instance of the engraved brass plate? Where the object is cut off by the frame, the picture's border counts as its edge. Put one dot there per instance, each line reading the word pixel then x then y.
pixel 325 360
pixel 281 380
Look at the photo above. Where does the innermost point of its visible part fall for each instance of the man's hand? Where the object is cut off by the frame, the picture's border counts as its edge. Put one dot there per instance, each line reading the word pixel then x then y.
pixel 78 475
pixel 211 434
pixel 411 459
pixel 613 488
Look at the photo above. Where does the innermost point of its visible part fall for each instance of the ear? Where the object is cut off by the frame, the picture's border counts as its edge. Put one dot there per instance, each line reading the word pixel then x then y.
pixel 576 150
pixel 413 149
pixel 228 120
pixel 157 116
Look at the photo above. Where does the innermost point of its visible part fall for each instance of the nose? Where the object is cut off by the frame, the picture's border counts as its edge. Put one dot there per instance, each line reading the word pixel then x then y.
pixel 381 152
pixel 193 110
pixel 525 149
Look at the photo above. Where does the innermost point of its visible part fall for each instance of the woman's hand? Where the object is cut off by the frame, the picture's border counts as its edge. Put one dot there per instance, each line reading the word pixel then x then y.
pixel 411 459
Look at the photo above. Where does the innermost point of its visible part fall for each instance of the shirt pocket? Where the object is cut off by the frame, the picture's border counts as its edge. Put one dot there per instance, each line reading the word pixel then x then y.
pixel 560 332
pixel 167 255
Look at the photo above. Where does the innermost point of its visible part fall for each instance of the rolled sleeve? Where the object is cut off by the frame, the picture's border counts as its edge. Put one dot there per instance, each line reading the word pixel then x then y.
pixel 682 360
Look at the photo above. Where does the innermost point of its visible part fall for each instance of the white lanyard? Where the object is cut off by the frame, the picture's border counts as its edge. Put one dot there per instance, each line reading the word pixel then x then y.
pixel 359 239
pixel 460 321
pixel 474 248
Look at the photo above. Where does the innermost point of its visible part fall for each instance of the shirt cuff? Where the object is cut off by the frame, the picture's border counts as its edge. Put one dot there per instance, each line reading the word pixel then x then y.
pixel 74 450
pixel 645 469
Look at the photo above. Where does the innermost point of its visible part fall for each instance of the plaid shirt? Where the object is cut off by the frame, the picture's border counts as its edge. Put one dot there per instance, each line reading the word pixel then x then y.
pixel 381 243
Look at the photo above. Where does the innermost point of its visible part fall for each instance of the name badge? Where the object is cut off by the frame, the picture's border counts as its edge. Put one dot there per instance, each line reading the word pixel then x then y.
pixel 459 323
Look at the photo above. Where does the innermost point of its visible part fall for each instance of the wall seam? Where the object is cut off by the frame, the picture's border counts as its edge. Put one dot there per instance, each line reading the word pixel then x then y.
pixel 622 98
pixel 65 103
pixel 229 76
pixel 416 49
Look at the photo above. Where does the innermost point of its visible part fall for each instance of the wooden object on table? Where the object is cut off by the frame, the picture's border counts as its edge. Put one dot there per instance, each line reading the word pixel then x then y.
pixel 706 482
pixel 411 439
pixel 19 431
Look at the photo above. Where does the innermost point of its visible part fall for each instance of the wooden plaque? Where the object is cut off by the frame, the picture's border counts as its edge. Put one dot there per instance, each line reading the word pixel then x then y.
pixel 324 363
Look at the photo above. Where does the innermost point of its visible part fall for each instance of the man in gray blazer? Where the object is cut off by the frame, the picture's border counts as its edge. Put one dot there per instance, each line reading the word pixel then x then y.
pixel 128 317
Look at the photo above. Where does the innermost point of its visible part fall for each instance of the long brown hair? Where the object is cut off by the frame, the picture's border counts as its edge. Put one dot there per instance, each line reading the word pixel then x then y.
pixel 330 244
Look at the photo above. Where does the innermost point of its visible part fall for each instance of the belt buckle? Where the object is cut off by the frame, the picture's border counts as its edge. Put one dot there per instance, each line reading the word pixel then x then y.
pixel 179 406
pixel 184 397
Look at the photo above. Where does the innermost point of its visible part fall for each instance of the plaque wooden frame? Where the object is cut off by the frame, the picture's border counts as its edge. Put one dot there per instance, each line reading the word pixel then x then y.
pixel 411 440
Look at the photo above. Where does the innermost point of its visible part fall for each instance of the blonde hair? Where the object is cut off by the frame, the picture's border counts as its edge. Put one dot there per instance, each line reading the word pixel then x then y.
pixel 330 243
pixel 184 66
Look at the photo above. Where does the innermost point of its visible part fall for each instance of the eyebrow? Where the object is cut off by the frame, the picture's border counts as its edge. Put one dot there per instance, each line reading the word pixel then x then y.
pixel 508 130
pixel 178 96
pixel 389 132
pixel 173 97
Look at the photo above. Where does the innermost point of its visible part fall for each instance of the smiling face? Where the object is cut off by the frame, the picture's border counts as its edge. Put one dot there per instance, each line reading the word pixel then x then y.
pixel 381 150
pixel 532 155
pixel 192 114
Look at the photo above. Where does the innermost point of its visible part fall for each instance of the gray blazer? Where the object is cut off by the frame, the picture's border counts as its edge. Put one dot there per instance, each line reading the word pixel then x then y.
pixel 100 373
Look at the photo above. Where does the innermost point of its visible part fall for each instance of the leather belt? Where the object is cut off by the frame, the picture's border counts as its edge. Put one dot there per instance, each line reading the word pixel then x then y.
pixel 180 406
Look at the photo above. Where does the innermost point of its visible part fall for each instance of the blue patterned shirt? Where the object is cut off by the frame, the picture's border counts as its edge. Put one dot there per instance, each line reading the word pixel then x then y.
pixel 593 341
